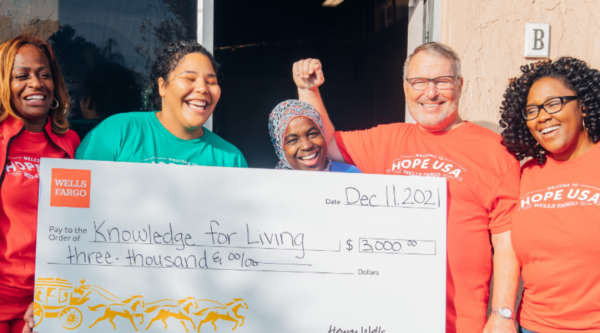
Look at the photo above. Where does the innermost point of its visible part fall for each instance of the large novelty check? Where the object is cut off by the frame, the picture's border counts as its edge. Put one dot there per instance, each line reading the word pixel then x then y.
pixel 165 248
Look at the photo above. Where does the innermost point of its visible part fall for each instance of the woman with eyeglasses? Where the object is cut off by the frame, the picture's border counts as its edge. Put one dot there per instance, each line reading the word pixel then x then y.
pixel 552 115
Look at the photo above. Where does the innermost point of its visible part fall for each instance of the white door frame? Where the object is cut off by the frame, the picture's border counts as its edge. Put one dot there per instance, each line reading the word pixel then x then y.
pixel 205 33
pixel 424 25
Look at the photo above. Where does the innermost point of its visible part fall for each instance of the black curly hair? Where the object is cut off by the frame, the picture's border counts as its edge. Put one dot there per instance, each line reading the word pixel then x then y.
pixel 168 60
pixel 575 75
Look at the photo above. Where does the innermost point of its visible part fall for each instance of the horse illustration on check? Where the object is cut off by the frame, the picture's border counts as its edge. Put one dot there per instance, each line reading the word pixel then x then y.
pixel 57 298
pixel 127 309
pixel 162 310
pixel 228 312
pixel 169 308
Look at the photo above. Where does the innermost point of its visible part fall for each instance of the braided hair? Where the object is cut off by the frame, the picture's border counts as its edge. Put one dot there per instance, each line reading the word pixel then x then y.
pixel 575 75
pixel 167 62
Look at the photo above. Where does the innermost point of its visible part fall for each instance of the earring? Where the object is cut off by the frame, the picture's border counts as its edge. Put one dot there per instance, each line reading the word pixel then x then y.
pixel 57 104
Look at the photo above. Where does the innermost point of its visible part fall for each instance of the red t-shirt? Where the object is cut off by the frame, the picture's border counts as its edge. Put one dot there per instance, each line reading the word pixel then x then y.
pixel 556 237
pixel 18 212
pixel 483 186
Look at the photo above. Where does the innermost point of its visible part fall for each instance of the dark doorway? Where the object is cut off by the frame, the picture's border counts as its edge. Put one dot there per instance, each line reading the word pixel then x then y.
pixel 361 43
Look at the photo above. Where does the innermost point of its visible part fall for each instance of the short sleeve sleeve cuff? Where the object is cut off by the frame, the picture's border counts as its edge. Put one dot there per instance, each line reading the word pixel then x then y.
pixel 504 202
pixel 342 147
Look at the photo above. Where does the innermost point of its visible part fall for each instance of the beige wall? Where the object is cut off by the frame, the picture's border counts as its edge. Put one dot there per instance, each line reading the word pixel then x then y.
pixel 489 35
pixel 39 18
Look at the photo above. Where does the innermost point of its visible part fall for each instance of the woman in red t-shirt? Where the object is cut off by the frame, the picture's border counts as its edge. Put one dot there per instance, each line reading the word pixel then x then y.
pixel 552 114
pixel 33 107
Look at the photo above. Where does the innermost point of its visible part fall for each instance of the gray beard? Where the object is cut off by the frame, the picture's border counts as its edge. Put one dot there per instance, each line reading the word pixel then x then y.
pixel 428 121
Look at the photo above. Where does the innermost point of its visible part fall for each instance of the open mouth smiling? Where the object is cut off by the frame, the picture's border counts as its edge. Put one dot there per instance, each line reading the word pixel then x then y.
pixel 310 160
pixel 35 99
pixel 197 105
pixel 431 105
pixel 309 157
pixel 549 130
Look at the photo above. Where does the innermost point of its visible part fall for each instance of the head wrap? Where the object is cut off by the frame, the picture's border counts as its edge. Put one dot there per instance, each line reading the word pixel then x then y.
pixel 280 118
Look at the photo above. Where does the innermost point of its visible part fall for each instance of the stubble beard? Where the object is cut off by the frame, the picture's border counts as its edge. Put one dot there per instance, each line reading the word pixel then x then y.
pixel 433 120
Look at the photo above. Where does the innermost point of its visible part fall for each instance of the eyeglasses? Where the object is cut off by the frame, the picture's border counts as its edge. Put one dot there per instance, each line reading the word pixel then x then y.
pixel 440 83
pixel 553 105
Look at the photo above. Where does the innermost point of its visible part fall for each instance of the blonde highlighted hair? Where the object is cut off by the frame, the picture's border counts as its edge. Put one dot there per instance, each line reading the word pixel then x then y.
pixel 8 52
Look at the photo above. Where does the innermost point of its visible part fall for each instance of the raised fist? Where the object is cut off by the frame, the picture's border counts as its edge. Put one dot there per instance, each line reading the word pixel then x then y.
pixel 308 74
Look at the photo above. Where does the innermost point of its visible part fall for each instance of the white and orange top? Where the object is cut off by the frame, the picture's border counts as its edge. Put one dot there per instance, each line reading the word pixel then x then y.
pixel 556 237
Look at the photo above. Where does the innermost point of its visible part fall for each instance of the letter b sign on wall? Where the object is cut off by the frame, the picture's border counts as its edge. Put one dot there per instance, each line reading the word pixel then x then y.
pixel 537 40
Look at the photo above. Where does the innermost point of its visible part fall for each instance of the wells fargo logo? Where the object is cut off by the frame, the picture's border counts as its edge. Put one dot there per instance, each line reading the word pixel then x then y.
pixel 57 298
pixel 70 188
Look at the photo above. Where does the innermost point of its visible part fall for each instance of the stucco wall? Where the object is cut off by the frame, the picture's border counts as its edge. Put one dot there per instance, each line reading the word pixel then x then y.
pixel 36 17
pixel 489 35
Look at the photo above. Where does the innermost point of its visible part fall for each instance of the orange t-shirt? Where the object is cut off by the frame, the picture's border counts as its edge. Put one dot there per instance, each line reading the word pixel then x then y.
pixel 556 237
pixel 18 212
pixel 483 187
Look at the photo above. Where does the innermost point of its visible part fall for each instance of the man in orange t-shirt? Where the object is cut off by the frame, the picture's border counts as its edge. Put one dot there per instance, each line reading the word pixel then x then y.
pixel 483 180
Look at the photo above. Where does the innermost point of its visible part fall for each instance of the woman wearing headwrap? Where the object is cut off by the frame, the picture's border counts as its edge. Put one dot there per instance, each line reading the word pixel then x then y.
pixel 297 134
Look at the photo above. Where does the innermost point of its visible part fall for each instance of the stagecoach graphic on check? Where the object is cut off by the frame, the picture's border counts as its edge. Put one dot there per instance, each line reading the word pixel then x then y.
pixel 58 298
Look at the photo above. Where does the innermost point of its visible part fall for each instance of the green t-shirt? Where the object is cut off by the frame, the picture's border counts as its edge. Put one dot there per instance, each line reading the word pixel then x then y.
pixel 140 137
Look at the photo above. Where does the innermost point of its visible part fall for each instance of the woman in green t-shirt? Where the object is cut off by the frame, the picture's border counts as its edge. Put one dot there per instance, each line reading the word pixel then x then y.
pixel 184 85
